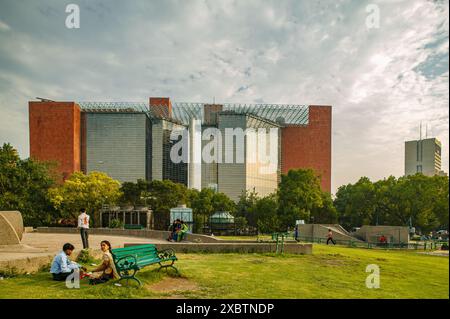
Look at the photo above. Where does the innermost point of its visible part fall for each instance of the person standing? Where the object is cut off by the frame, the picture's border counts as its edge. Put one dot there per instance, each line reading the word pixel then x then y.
pixel 330 237
pixel 83 225
pixel 296 232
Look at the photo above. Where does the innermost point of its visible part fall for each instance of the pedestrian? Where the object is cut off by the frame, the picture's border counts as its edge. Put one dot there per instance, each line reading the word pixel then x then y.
pixel 296 232
pixel 330 237
pixel 83 225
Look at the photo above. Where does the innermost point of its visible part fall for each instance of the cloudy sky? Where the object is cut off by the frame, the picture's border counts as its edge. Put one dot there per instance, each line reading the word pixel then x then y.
pixel 381 81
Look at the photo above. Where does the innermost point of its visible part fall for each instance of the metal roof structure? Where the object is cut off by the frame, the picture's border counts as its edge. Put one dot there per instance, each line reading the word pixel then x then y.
pixel 285 114
pixel 113 107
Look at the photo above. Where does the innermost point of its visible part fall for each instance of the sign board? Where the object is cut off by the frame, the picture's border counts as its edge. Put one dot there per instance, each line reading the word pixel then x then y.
pixel 300 222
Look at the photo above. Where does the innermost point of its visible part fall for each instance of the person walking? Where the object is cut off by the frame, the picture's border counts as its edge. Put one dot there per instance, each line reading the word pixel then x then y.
pixel 330 237
pixel 83 225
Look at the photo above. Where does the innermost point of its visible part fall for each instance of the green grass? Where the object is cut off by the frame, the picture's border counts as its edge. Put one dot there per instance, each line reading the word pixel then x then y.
pixel 331 272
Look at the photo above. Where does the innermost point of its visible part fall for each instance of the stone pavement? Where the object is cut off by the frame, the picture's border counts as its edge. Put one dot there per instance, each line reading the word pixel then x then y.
pixel 54 242
pixel 37 249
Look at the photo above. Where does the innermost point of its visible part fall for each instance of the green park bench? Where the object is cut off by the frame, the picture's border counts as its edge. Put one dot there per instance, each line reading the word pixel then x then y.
pixel 130 226
pixel 130 260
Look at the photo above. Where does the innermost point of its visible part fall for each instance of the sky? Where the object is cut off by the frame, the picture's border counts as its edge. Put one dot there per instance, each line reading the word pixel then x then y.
pixel 381 79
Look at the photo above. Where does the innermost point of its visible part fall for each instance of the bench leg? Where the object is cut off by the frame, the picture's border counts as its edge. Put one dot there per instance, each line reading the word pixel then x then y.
pixel 167 266
pixel 131 278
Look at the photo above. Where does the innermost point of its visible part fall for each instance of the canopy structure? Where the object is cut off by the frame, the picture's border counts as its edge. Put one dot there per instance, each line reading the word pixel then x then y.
pixel 183 112
pixel 221 218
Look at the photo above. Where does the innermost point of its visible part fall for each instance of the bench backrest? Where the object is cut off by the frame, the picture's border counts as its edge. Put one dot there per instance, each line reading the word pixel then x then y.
pixel 139 250
pixel 131 226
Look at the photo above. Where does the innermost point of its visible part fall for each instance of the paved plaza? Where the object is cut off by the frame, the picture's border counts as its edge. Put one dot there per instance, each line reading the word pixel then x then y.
pixel 40 244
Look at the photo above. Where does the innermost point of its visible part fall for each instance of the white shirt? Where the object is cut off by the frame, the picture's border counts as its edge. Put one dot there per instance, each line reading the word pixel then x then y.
pixel 83 221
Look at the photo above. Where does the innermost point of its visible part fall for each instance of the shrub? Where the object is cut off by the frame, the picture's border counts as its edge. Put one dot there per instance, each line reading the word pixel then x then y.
pixel 84 257
pixel 116 223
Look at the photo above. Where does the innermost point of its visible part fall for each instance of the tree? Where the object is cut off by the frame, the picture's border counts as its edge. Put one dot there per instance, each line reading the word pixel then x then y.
pixel 245 207
pixel 265 211
pixel 416 199
pixel 441 208
pixel 356 203
pixel 202 208
pixel 299 193
pixel 327 213
pixel 89 191
pixel 133 192
pixel 24 187
pixel 221 202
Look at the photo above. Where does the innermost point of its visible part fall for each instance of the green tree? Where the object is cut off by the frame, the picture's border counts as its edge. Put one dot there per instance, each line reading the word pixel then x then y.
pixel 221 202
pixel 202 207
pixel 133 193
pixel 416 199
pixel 24 187
pixel 356 203
pixel 441 201
pixel 327 213
pixel 245 207
pixel 90 191
pixel 164 195
pixel 299 193
pixel 266 213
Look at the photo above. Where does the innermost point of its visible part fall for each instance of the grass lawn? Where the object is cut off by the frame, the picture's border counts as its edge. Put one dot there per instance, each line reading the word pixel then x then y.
pixel 331 272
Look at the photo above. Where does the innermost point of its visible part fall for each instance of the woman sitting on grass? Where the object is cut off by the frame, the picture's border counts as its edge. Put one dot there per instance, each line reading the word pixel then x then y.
pixel 107 270
pixel 182 231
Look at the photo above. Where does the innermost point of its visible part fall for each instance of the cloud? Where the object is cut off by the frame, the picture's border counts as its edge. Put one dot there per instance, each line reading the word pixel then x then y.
pixel 381 82
pixel 4 26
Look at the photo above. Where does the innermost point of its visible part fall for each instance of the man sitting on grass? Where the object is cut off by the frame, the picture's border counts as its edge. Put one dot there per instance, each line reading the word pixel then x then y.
pixel 62 266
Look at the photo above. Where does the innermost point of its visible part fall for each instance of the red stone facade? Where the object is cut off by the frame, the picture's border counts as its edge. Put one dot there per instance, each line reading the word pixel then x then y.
pixel 58 132
pixel 161 106
pixel 210 113
pixel 309 146
pixel 55 134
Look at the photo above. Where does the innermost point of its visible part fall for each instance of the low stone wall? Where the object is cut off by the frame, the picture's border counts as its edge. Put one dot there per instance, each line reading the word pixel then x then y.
pixel 394 234
pixel 145 233
pixel 32 264
pixel 291 248
pixel 25 265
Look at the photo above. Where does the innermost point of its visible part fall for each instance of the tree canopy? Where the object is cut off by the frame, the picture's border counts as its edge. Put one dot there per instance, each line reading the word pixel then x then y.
pixel 24 185
pixel 419 200
pixel 299 194
pixel 89 191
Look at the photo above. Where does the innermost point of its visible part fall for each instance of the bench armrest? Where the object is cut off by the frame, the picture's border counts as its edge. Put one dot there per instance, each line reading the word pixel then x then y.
pixel 166 253
pixel 127 262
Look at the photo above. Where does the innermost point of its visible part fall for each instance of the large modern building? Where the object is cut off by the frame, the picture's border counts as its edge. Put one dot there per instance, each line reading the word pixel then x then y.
pixel 423 156
pixel 130 141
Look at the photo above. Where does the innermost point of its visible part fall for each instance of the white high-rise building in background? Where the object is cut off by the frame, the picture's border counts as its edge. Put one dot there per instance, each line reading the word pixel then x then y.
pixel 423 156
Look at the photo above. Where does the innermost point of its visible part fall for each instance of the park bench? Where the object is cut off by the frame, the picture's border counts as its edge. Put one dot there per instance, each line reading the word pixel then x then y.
pixel 130 226
pixel 130 260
